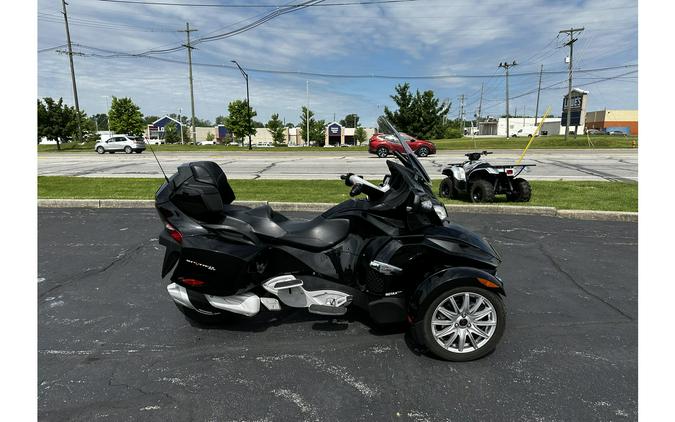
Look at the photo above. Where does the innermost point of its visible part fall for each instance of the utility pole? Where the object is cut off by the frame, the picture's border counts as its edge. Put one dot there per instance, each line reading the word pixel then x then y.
pixel 72 70
pixel 570 32
pixel 506 66
pixel 248 103
pixel 307 116
pixel 536 111
pixel 480 103
pixel 461 112
pixel 192 94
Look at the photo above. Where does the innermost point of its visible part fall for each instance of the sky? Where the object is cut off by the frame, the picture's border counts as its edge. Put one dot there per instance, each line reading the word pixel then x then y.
pixel 460 42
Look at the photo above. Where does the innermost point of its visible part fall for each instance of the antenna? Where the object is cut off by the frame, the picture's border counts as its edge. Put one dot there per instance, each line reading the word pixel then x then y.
pixel 160 166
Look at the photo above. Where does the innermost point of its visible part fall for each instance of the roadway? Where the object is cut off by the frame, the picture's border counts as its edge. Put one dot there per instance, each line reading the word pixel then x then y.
pixel 601 164
pixel 113 346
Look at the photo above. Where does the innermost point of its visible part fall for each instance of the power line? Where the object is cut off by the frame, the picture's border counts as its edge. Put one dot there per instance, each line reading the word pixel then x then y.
pixel 554 86
pixel 94 23
pixel 265 18
pixel 249 6
pixel 114 54
pixel 56 47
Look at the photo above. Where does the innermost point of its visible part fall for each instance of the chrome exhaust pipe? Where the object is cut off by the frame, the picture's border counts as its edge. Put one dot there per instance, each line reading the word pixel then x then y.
pixel 247 304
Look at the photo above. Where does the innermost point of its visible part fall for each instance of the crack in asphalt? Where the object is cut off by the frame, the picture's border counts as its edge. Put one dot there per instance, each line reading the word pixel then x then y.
pixel 264 169
pixel 558 267
pixel 97 170
pixel 607 176
pixel 124 255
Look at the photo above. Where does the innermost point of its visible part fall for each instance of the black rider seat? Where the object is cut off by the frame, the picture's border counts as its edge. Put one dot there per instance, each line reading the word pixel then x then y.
pixel 316 234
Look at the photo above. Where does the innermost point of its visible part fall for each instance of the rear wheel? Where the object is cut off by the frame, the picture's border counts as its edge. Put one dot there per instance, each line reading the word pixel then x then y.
pixel 463 323
pixel 423 152
pixel 100 150
pixel 522 192
pixel 382 152
pixel 128 150
pixel 482 191
pixel 446 188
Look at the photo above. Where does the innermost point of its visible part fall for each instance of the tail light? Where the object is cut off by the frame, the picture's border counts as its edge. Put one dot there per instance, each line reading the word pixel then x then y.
pixel 174 233
pixel 192 282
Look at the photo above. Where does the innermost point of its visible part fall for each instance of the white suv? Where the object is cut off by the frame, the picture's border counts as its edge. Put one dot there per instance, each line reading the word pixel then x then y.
pixel 120 143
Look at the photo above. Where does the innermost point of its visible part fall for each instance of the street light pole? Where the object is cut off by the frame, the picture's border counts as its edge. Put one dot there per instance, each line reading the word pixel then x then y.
pixel 248 104
pixel 180 121
pixel 107 114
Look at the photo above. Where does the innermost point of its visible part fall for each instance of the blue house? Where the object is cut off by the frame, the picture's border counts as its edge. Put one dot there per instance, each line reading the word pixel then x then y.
pixel 156 129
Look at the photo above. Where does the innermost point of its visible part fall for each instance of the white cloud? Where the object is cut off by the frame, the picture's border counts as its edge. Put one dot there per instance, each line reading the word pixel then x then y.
pixel 426 37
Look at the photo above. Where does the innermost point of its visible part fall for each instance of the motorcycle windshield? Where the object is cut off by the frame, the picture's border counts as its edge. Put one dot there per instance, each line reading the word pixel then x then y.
pixel 407 156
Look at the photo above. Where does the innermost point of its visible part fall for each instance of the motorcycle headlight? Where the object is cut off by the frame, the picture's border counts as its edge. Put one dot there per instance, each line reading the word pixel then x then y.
pixel 440 212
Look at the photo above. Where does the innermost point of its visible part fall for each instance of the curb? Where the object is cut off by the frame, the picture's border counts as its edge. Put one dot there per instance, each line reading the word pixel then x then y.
pixel 322 206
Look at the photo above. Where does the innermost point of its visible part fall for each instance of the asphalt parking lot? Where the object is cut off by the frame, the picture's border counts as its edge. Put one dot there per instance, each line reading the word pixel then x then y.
pixel 113 346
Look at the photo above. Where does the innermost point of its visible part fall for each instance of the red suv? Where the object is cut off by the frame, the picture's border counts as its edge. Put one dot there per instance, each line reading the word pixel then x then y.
pixel 383 145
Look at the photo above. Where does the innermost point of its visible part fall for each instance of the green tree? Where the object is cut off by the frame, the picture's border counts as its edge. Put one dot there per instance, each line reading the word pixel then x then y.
pixel 277 129
pixel 220 120
pixel 150 119
pixel 187 133
pixel 210 137
pixel 56 121
pixel 126 117
pixel 171 133
pixel 100 121
pixel 422 114
pixel 317 128
pixel 258 125
pixel 202 122
pixel 237 122
pixel 360 135
pixel 350 120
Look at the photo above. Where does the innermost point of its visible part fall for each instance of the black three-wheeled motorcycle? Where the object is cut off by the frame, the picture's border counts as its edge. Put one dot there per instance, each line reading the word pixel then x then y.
pixel 394 255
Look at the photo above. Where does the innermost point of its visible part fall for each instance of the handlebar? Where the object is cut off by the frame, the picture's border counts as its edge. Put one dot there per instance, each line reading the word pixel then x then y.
pixel 362 185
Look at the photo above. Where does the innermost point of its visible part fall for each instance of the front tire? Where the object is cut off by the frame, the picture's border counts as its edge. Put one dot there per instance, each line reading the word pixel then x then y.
pixel 482 191
pixel 100 150
pixel 382 152
pixel 423 152
pixel 463 323
pixel 128 150
pixel 446 188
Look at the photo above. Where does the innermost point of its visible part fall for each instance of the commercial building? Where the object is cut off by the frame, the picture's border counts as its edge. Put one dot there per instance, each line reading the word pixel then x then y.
pixel 606 120
pixel 497 127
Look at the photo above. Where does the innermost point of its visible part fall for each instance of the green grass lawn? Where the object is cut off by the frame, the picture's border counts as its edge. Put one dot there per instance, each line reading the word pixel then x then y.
pixel 466 143
pixel 541 142
pixel 604 196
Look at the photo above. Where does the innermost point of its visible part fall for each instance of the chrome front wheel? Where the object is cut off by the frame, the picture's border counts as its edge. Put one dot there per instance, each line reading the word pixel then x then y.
pixel 464 323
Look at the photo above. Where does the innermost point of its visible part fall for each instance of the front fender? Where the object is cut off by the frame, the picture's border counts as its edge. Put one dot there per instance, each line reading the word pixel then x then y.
pixel 449 278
